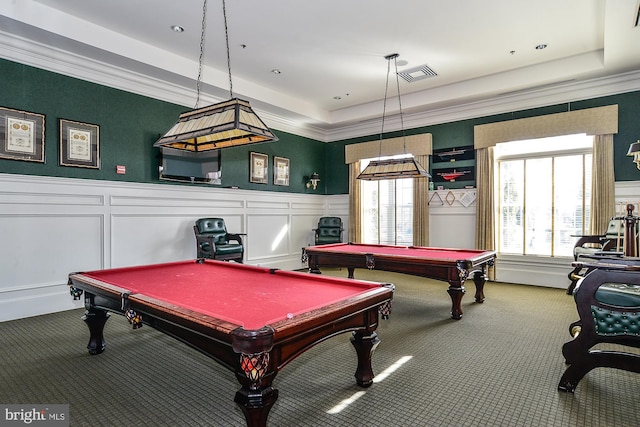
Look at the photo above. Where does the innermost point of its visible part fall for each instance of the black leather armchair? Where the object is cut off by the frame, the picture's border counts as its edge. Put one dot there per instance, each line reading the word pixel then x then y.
pixel 329 230
pixel 214 242
pixel 608 303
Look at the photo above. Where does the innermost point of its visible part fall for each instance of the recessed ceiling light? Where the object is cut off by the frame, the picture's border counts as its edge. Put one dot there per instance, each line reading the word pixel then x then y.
pixel 276 71
pixel 337 98
pixel 177 28
pixel 541 46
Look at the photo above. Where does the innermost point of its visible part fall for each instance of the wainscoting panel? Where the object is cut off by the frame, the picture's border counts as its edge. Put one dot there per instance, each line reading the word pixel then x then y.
pixel 147 239
pixel 37 248
pixel 268 236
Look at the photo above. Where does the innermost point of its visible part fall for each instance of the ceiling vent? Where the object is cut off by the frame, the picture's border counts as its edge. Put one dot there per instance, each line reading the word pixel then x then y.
pixel 417 73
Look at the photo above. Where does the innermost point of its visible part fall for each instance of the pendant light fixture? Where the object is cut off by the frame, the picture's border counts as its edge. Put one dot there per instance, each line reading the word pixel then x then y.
pixel 226 124
pixel 405 167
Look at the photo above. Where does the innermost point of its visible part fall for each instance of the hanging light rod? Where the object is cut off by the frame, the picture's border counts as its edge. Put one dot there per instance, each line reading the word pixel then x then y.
pixel 405 167
pixel 226 124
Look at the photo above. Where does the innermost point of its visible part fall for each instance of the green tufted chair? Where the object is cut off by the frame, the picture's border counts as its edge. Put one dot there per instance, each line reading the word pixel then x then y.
pixel 329 230
pixel 214 242
pixel 608 303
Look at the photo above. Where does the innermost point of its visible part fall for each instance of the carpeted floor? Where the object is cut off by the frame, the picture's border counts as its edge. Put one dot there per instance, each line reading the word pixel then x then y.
pixel 498 366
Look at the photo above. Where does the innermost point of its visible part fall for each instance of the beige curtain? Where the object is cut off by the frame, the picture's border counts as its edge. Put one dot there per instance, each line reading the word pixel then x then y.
pixel 421 207
pixel 485 211
pixel 355 211
pixel 602 184
pixel 485 228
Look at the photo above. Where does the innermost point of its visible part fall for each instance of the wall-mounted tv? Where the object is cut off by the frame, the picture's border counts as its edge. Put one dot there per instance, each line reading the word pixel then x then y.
pixel 203 167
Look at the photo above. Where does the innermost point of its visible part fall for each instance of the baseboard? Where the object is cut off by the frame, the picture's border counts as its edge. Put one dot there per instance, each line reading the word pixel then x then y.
pixel 36 301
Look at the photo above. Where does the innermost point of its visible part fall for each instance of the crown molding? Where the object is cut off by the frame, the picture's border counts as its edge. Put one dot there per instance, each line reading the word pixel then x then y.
pixel 28 52
pixel 559 94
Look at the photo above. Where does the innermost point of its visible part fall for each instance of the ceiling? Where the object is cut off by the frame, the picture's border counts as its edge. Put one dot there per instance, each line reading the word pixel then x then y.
pixel 330 53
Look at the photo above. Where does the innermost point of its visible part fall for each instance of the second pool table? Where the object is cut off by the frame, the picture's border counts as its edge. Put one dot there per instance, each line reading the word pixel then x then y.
pixel 450 265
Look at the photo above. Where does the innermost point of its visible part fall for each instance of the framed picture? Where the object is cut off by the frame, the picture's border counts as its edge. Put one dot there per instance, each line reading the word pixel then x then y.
pixel 79 144
pixel 21 135
pixel 259 168
pixel 280 171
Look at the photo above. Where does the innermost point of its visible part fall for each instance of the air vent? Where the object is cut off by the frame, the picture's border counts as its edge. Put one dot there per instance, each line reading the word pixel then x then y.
pixel 417 73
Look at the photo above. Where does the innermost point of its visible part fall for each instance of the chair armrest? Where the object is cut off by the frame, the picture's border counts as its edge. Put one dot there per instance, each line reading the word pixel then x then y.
pixel 588 238
pixel 205 238
pixel 236 236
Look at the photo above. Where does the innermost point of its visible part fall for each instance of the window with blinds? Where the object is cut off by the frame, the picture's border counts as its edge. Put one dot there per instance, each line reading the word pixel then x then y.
pixel 387 211
pixel 544 194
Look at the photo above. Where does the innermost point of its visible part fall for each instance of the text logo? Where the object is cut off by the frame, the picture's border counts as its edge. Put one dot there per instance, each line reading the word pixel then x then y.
pixel 37 415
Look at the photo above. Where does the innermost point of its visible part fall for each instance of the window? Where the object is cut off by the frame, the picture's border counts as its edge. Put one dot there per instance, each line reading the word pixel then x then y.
pixel 544 193
pixel 387 211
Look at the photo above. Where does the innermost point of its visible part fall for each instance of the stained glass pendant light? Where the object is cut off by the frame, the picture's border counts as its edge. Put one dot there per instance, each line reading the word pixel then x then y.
pixel 405 167
pixel 226 124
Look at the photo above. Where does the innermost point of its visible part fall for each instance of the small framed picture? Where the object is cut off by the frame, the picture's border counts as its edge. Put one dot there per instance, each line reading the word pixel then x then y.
pixel 21 135
pixel 280 171
pixel 259 168
pixel 79 144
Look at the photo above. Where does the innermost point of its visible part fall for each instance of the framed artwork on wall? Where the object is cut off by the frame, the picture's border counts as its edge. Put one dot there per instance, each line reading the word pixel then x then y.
pixel 280 171
pixel 259 168
pixel 21 135
pixel 79 144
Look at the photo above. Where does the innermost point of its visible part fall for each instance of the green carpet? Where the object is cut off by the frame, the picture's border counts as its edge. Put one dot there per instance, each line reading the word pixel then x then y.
pixel 497 366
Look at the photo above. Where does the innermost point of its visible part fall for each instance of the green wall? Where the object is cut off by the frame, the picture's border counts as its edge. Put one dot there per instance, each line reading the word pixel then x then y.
pixel 460 133
pixel 129 125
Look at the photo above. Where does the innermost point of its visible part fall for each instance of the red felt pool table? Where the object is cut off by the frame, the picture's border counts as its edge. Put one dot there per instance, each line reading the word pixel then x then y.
pixel 252 320
pixel 450 265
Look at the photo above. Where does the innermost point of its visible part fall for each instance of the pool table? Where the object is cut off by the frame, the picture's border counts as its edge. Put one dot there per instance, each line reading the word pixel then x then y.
pixel 252 320
pixel 450 265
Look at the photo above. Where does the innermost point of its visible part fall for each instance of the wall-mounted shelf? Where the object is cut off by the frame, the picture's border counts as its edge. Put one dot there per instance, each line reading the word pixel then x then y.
pixel 453 168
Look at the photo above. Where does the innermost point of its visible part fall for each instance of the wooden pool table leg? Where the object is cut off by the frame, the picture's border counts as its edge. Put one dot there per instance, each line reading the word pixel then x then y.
pixel 256 404
pixel 95 320
pixel 479 278
pixel 255 371
pixel 456 291
pixel 365 345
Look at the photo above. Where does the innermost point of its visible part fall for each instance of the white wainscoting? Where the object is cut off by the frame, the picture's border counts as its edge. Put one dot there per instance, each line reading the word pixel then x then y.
pixel 51 227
